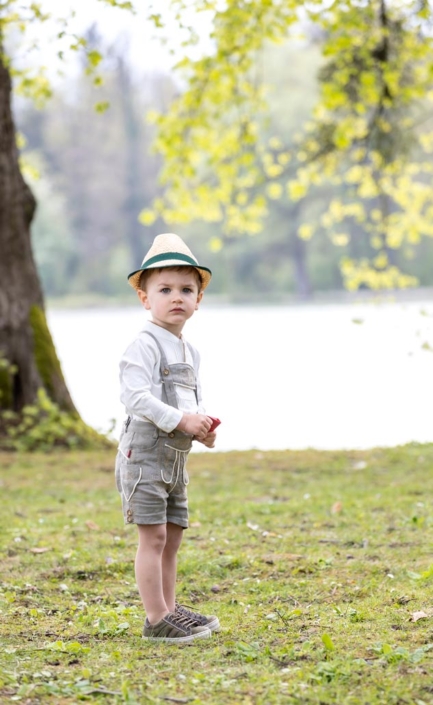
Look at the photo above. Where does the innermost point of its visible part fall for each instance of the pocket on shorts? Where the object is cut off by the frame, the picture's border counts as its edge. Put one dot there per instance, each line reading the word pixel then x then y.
pixel 135 444
pixel 171 453
pixel 127 479
pixel 173 457
pixel 181 443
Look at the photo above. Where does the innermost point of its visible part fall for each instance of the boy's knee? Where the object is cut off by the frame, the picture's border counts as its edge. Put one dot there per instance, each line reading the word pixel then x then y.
pixel 153 537
pixel 174 537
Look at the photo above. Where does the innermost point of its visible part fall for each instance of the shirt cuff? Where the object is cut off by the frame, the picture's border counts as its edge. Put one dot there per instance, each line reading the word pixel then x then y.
pixel 171 420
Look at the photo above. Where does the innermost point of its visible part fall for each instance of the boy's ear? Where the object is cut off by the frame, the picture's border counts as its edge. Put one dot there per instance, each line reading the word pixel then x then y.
pixel 143 298
pixel 199 298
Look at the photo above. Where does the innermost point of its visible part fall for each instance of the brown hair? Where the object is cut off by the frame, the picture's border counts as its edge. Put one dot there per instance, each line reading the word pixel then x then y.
pixel 188 270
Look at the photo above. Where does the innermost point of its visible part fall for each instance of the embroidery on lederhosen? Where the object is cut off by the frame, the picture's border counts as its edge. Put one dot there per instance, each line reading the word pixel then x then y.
pixel 119 448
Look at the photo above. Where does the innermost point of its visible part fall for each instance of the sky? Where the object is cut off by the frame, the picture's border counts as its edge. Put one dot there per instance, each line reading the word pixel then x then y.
pixel 147 53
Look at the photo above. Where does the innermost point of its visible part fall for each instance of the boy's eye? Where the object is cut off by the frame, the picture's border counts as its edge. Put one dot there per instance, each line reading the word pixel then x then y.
pixel 165 290
pixel 187 290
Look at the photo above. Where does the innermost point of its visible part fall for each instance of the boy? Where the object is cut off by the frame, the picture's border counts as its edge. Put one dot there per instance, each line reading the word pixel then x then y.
pixel 161 393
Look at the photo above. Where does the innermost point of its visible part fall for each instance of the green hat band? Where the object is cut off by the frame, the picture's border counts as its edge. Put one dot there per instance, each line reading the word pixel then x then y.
pixel 170 255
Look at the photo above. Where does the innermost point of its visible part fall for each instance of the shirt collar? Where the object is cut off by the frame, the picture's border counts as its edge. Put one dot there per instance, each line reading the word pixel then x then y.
pixel 162 333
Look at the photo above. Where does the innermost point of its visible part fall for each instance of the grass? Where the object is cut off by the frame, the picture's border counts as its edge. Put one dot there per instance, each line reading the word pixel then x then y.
pixel 316 563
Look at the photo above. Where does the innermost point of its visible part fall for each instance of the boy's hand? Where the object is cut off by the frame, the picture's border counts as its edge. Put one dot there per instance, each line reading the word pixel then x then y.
pixel 209 441
pixel 196 425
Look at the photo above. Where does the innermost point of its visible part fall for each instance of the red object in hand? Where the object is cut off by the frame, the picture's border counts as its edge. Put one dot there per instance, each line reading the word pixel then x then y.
pixel 215 422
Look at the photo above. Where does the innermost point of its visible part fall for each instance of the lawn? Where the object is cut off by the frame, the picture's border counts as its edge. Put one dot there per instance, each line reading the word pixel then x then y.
pixel 318 564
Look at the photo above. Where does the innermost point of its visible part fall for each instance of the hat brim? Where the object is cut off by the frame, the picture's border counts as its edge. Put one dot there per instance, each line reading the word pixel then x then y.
pixel 134 277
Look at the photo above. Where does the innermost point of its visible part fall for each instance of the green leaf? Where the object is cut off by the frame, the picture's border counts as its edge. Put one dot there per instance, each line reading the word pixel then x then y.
pixel 102 107
pixel 327 642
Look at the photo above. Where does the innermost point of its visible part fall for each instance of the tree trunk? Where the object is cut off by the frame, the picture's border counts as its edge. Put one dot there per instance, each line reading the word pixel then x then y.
pixel 296 249
pixel 299 256
pixel 28 359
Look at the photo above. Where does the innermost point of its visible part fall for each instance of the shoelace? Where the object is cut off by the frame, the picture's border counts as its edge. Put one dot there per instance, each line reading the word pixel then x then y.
pixel 181 620
pixel 196 617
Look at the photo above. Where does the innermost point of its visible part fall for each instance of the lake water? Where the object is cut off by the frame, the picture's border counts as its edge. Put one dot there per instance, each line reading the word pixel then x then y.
pixel 322 376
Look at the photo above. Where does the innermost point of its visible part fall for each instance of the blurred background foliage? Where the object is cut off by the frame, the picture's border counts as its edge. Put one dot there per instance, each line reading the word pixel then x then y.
pixel 93 174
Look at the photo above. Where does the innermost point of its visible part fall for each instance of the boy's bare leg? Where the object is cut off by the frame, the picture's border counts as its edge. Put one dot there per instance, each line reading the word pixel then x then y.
pixel 149 570
pixel 169 563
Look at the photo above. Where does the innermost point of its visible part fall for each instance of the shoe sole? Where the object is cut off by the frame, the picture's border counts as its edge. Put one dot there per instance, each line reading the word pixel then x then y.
pixel 204 634
pixel 214 625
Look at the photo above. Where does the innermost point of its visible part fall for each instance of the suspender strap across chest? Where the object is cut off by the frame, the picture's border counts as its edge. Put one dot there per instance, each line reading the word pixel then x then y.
pixel 166 372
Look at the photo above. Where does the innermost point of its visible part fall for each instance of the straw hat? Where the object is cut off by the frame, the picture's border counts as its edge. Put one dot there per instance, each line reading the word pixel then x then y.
pixel 169 250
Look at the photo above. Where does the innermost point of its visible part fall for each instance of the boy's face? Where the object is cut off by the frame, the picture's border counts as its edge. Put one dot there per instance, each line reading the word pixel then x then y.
pixel 172 296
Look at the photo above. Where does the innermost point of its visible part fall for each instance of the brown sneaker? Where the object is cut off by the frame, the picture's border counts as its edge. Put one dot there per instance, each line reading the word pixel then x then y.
pixel 210 622
pixel 175 629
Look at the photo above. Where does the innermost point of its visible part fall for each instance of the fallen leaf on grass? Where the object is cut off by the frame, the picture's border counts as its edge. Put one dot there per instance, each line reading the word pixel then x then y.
pixel 253 527
pixel 418 615
pixel 91 525
pixel 39 550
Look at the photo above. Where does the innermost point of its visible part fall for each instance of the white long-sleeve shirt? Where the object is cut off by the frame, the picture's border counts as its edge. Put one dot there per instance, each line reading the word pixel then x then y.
pixel 140 378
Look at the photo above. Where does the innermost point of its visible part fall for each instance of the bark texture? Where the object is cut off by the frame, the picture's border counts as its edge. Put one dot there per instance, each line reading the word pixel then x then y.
pixel 25 341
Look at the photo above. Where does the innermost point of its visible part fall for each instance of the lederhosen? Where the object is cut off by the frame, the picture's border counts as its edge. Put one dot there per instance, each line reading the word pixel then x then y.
pixel 146 454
